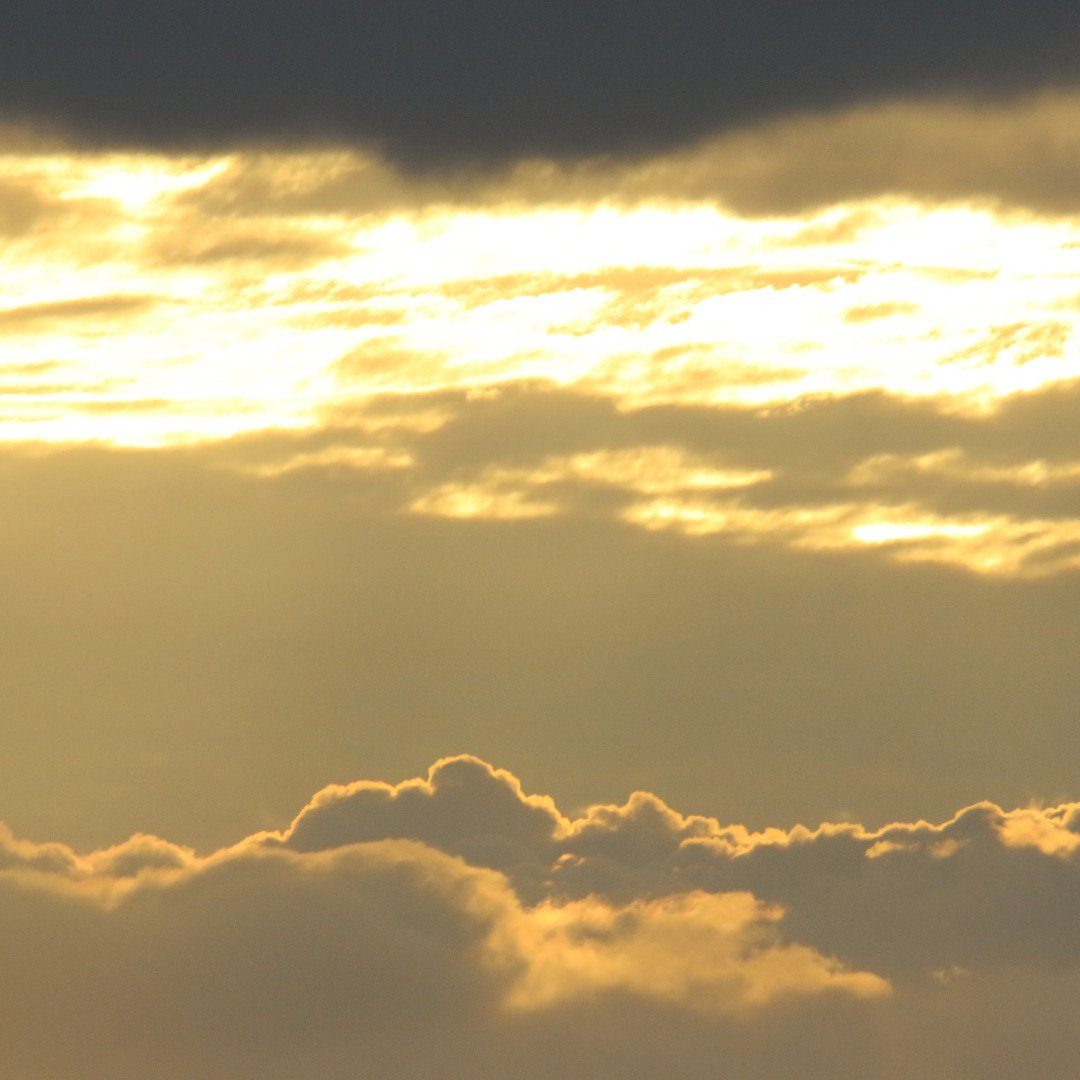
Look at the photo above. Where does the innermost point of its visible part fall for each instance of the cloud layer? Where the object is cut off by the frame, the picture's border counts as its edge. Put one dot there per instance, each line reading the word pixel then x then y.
pixel 498 80
pixel 906 899
pixel 458 925
pixel 777 351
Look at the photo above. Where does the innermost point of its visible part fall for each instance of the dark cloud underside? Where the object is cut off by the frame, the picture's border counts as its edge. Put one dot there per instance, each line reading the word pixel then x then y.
pixel 440 82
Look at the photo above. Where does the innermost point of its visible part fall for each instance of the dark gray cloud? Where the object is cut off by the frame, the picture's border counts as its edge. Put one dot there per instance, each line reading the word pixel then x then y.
pixel 1019 152
pixel 444 83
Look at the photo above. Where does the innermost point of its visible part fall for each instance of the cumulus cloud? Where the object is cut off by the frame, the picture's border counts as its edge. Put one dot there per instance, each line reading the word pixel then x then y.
pixel 978 890
pixel 251 963
pixel 406 928
pixel 260 960
pixel 707 952
pixel 464 806
pixel 842 883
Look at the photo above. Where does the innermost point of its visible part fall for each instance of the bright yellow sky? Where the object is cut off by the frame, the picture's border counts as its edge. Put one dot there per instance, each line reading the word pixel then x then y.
pixel 154 301
pixel 133 315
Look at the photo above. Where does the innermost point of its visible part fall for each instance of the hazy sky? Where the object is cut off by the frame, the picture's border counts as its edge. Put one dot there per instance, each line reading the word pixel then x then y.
pixel 540 540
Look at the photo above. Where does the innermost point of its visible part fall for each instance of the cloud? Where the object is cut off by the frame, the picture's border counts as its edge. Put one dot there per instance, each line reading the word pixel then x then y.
pixel 261 961
pixel 977 501
pixel 34 317
pixel 249 964
pixel 499 81
pixel 189 242
pixel 387 930
pixel 22 208
pixel 974 892
pixel 705 952
pixel 303 291
pixel 22 855
pixel 464 806
pixel 1018 153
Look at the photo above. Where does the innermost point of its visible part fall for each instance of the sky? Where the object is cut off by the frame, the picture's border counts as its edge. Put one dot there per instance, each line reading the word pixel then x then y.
pixel 539 539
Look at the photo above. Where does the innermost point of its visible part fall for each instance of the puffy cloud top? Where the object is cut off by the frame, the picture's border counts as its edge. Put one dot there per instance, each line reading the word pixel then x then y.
pixel 457 924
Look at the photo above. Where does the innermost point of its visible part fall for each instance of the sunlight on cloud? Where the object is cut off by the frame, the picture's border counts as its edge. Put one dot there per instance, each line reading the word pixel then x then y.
pixel 649 470
pixel 510 493
pixel 1046 831
pixel 1002 545
pixel 882 532
pixel 809 526
pixel 952 464
pixel 133 181
pixel 665 490
pixel 999 545
pixel 271 280
pixel 155 300
pixel 707 952
pixel 363 458
pixel 487 500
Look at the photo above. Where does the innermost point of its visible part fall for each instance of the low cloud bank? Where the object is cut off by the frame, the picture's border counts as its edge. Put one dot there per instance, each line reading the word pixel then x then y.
pixel 984 888
pixel 459 925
